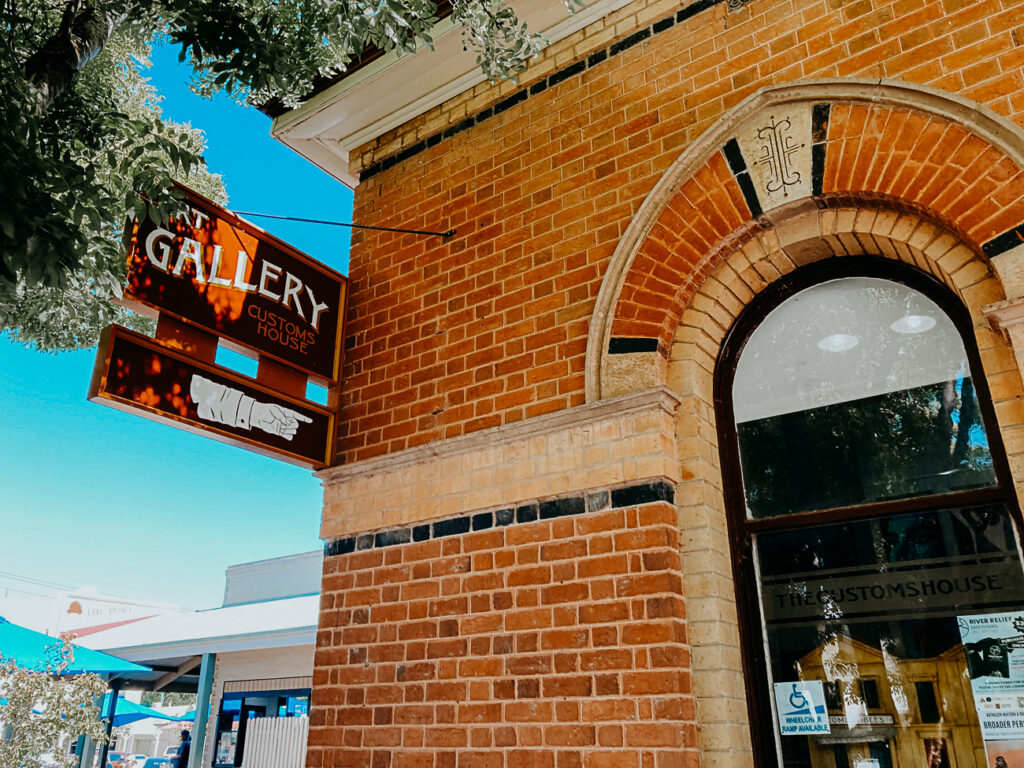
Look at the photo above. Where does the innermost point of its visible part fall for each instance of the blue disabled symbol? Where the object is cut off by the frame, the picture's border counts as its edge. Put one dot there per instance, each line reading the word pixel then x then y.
pixel 798 701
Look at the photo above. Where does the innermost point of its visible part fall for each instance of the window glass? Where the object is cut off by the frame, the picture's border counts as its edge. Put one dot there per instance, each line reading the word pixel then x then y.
pixel 871 611
pixel 854 391
pixel 927 704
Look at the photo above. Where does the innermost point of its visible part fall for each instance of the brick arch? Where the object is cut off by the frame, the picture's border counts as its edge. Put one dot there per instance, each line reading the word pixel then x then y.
pixel 917 148
pixel 732 282
pixel 847 228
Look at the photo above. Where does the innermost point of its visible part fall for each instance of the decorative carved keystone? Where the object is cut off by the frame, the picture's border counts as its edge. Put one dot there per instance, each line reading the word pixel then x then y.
pixel 776 144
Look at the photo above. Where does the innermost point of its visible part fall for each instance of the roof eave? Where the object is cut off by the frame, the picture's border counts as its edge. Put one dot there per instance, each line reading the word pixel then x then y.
pixel 392 89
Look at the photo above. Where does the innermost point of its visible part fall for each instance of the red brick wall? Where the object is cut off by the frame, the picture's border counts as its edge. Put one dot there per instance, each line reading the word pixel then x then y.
pixel 490 327
pixel 553 643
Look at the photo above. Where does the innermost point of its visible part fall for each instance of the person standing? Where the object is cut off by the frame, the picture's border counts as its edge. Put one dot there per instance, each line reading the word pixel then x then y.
pixel 181 760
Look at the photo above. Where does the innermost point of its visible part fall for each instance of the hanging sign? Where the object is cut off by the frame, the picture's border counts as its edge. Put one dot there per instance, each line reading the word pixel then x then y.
pixel 137 374
pixel 227 276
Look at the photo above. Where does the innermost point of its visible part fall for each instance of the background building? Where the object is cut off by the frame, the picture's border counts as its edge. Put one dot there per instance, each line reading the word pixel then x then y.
pixel 52 608
pixel 252 657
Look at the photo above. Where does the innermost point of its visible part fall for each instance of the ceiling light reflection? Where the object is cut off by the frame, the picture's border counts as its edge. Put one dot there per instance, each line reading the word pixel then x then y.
pixel 914 324
pixel 838 342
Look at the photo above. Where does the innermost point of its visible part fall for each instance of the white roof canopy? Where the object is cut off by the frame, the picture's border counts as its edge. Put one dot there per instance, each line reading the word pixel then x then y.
pixel 269 624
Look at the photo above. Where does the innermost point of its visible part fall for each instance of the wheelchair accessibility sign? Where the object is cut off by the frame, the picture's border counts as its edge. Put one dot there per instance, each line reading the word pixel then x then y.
pixel 801 708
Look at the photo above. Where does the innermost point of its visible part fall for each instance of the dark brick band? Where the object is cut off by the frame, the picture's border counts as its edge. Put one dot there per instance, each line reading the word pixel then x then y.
pixel 577 67
pixel 819 146
pixel 738 166
pixel 646 492
pixel 1007 241
pixel 624 345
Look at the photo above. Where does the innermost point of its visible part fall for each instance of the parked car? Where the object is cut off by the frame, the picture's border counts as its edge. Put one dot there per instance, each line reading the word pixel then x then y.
pixel 122 760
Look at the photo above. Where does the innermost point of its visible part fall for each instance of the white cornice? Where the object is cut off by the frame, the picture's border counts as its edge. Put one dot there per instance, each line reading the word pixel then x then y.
pixel 394 89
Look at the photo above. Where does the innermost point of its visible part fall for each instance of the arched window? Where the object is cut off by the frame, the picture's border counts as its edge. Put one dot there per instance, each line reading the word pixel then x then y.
pixel 873 522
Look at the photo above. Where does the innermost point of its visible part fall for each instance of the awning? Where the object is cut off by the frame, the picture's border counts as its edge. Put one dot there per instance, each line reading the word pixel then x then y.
pixel 130 712
pixel 34 650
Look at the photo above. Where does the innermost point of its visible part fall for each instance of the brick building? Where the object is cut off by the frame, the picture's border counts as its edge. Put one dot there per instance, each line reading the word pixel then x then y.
pixel 690 383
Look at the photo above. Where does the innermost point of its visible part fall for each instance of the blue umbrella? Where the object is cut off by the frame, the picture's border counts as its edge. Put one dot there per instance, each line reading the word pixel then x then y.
pixel 34 650
pixel 190 715
pixel 128 712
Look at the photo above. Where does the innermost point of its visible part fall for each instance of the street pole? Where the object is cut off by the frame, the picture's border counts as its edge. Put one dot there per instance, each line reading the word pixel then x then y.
pixel 195 758
pixel 115 689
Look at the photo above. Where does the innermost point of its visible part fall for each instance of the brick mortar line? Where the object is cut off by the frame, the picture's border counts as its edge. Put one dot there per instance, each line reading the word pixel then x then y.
pixel 648 491
pixel 576 67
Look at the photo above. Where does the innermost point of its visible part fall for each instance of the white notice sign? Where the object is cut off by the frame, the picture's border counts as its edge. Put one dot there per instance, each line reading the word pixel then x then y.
pixel 994 647
pixel 801 708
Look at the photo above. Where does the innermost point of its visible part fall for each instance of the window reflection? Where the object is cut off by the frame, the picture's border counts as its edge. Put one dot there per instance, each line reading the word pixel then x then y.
pixel 855 391
pixel 870 608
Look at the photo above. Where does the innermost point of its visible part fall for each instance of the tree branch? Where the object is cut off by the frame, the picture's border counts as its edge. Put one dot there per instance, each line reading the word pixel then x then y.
pixel 82 33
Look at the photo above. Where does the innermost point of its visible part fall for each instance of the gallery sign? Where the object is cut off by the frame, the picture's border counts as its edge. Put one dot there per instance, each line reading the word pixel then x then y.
pixel 140 375
pixel 224 275
pixel 214 279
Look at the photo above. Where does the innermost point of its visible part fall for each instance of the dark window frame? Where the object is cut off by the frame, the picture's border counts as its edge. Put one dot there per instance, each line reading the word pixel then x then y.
pixel 742 529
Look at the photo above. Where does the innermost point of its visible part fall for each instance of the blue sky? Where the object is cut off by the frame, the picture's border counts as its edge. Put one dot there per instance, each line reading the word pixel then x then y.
pixel 90 495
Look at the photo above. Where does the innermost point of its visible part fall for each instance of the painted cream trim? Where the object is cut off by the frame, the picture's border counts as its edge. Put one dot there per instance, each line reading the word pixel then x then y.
pixel 998 131
pixel 540 426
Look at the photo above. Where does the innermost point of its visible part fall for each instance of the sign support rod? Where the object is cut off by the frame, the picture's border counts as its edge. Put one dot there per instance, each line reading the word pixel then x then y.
pixel 448 233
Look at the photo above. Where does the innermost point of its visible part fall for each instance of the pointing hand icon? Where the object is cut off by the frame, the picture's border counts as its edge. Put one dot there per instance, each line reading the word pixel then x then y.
pixel 225 405
pixel 276 419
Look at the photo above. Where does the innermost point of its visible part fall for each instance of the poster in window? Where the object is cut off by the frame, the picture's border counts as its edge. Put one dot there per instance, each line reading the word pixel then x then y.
pixel 994 647
pixel 1005 754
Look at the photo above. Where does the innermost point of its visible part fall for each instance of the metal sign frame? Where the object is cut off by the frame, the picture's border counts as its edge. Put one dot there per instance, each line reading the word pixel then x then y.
pixel 99 391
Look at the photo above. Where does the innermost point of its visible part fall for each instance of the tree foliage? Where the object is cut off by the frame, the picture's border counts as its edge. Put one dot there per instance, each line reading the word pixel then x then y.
pixel 914 442
pixel 70 172
pixel 168 699
pixel 45 708
pixel 83 144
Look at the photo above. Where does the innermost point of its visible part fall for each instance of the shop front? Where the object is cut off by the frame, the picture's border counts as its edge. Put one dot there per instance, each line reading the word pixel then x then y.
pixel 874 518
pixel 239 705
